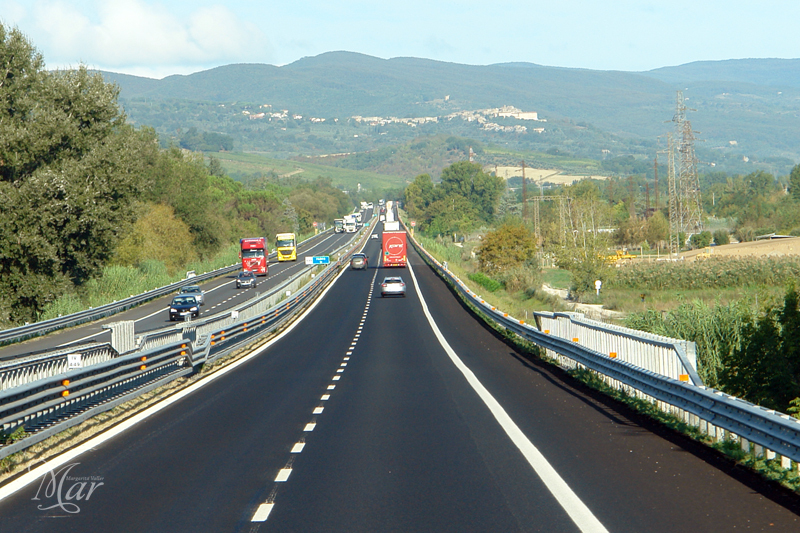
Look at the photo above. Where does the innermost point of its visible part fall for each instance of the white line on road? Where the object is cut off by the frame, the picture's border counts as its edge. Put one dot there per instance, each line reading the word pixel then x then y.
pixel 283 475
pixel 569 501
pixel 318 410
pixel 262 513
pixel 310 426
pixel 298 447
pixel 54 463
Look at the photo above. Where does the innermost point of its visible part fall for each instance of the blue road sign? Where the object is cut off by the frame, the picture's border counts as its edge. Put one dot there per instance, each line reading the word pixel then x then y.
pixel 321 260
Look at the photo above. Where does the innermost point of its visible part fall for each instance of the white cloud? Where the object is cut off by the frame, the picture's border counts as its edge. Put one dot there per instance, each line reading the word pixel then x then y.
pixel 142 36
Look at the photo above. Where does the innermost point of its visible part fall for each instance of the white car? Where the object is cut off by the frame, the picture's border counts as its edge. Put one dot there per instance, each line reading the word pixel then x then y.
pixel 393 286
pixel 374 235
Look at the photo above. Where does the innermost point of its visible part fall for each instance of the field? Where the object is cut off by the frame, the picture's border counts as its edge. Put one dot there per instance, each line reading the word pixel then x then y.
pixel 768 248
pixel 240 166
pixel 542 175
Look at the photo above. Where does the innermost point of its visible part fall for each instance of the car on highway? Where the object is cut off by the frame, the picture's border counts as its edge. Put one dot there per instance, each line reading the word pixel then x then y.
pixel 246 279
pixel 374 235
pixel 182 306
pixel 359 262
pixel 393 286
pixel 193 290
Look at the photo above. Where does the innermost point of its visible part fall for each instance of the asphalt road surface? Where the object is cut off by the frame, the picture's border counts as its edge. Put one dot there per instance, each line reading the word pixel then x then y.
pixel 365 417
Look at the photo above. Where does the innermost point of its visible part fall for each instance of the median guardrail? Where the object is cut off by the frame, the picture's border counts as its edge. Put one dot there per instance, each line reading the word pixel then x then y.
pixel 758 430
pixel 46 326
pixel 54 398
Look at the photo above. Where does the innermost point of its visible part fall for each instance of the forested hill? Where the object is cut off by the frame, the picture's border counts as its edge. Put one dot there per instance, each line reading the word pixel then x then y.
pixel 754 102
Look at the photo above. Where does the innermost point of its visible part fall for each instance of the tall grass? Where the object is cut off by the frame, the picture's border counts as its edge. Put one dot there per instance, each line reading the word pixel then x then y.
pixel 717 330
pixel 118 282
pixel 708 273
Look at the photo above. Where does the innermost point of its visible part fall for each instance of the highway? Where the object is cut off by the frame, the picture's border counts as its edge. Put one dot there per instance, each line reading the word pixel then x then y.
pixel 372 415
pixel 220 294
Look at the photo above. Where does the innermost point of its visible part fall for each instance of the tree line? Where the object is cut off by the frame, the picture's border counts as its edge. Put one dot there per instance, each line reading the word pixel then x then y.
pixel 80 188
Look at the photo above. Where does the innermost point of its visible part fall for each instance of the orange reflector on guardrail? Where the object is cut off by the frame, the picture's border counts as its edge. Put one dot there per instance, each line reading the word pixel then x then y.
pixel 684 377
pixel 574 339
pixel 65 383
pixel 183 352
pixel 493 308
pixel 144 358
pixel 245 327
pixel 65 393
pixel 505 314
pixel 547 331
pixel 521 321
pixel 613 355
pixel 142 367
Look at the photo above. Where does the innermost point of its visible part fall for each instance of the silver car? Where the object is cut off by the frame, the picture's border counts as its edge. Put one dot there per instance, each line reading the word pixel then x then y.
pixel 393 286
pixel 193 290
pixel 359 262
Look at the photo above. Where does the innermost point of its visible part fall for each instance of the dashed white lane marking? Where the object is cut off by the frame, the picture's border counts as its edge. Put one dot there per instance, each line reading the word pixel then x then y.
pixel 283 475
pixel 263 510
pixel 262 513
pixel 54 463
pixel 569 501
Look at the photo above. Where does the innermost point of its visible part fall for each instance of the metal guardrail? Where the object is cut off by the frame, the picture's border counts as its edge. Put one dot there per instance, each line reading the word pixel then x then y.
pixel 40 328
pixel 58 400
pixel 46 326
pixel 717 414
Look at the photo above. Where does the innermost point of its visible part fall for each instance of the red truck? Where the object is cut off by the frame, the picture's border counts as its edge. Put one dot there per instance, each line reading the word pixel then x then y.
pixel 394 249
pixel 254 254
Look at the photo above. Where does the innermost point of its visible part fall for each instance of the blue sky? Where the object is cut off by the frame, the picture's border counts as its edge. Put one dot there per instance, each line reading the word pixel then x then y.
pixel 156 38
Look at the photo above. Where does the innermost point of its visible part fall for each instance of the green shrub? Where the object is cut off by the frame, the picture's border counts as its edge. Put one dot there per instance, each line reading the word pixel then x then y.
pixel 721 237
pixel 485 281
pixel 521 278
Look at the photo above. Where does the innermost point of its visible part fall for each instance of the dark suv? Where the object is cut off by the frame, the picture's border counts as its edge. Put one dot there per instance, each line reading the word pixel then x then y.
pixel 183 305
pixel 246 279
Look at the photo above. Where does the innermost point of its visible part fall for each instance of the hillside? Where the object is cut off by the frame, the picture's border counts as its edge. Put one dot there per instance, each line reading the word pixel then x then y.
pixel 751 102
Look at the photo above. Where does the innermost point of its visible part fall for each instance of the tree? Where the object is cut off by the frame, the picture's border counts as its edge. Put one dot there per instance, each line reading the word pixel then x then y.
pixel 794 182
pixel 70 170
pixel 509 246
pixel 721 237
pixel 656 230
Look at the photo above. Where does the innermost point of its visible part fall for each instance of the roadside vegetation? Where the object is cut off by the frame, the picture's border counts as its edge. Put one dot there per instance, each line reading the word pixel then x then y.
pixel 91 209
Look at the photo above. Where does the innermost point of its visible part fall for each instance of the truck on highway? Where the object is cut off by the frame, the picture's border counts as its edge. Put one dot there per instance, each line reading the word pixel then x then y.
pixel 338 225
pixel 394 249
pixel 254 254
pixel 349 224
pixel 391 225
pixel 286 246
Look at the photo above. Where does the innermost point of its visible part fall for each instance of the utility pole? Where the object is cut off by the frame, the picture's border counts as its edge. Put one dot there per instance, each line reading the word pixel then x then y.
pixel 524 195
pixel 655 173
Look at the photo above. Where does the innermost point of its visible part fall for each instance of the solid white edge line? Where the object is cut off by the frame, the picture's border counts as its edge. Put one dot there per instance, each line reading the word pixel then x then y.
pixel 569 501
pixel 59 460
pixel 262 513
